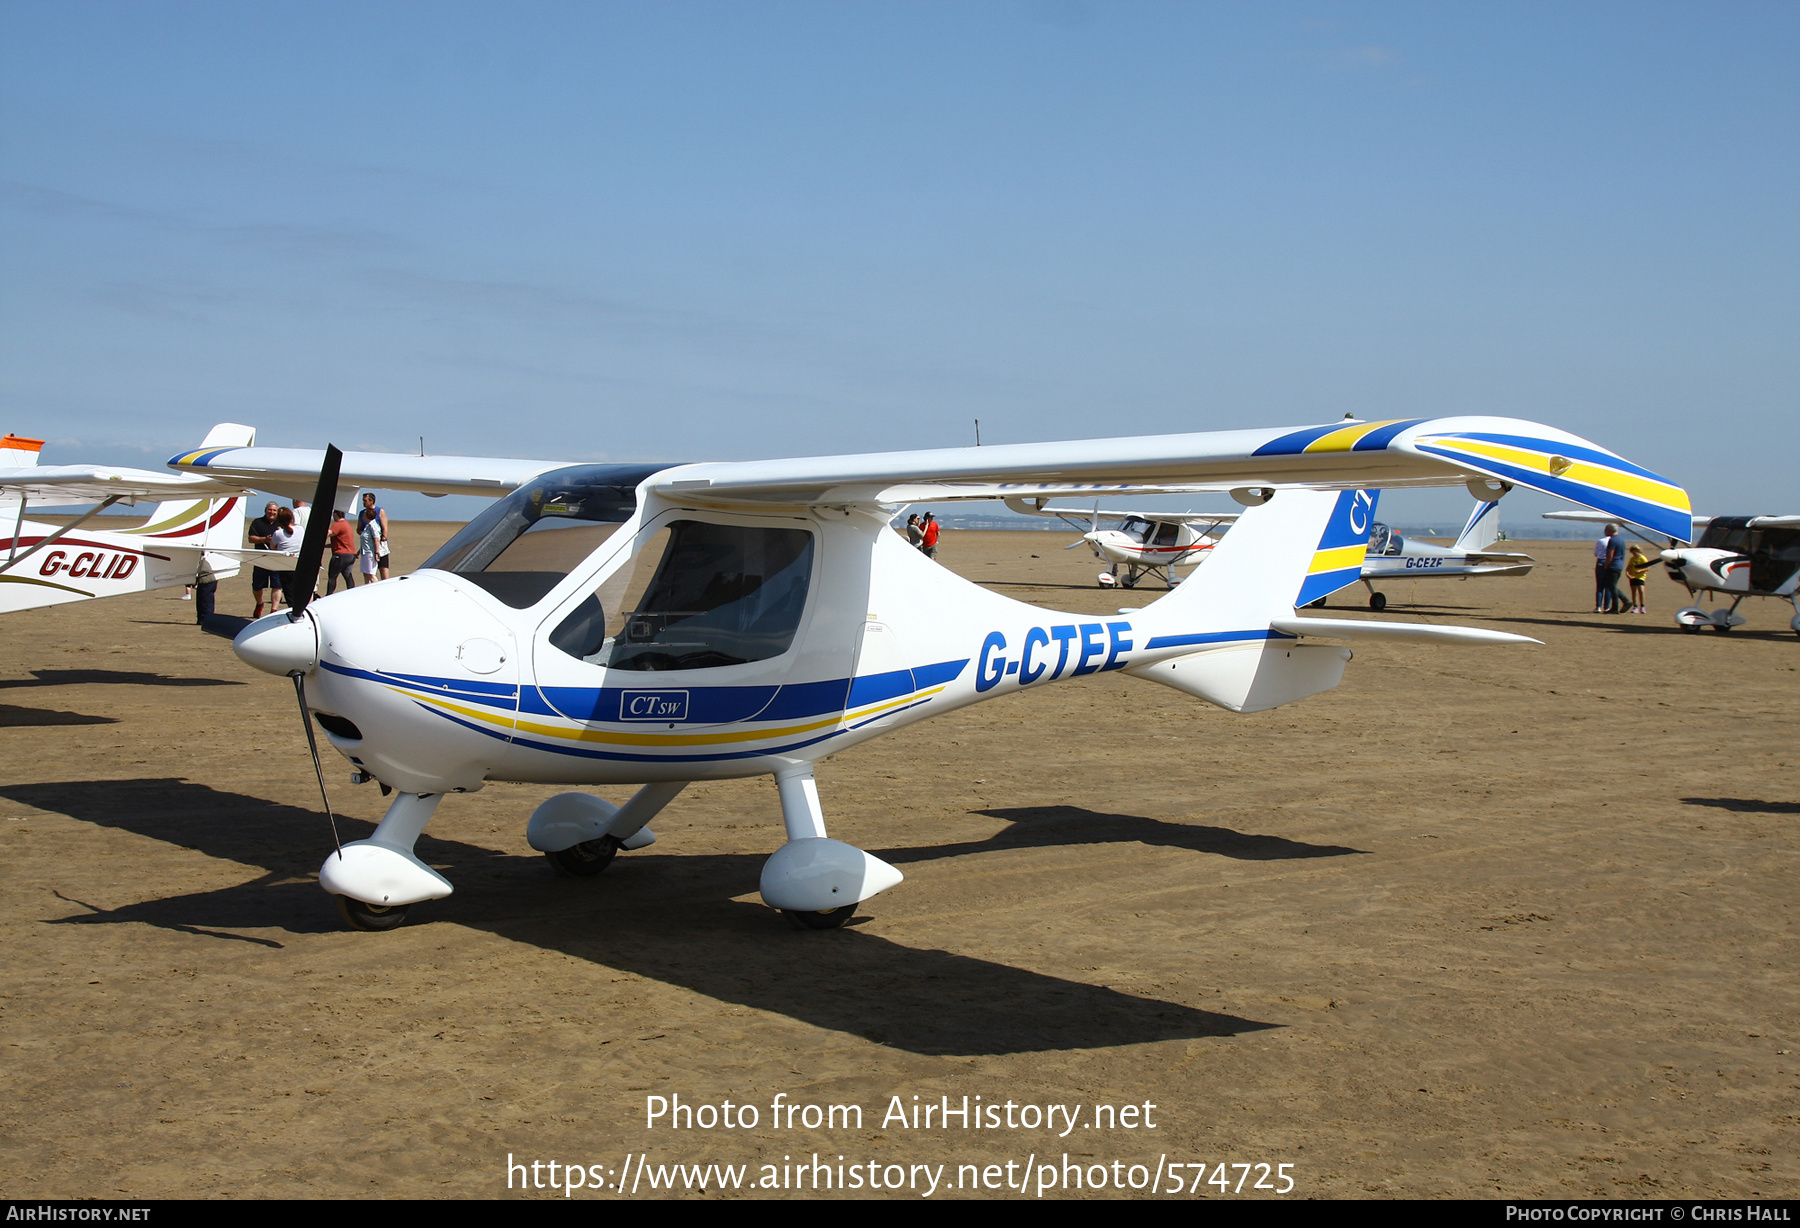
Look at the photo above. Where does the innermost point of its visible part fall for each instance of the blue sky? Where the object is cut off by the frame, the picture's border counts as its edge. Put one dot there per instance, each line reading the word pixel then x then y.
pixel 687 231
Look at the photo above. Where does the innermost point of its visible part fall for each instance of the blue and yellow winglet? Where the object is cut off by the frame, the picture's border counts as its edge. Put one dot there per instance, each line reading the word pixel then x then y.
pixel 1573 469
pixel 1515 451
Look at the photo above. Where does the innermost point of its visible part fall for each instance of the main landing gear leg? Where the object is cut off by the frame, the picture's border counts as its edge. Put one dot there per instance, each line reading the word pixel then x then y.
pixel 580 833
pixel 815 881
pixel 378 879
pixel 1377 601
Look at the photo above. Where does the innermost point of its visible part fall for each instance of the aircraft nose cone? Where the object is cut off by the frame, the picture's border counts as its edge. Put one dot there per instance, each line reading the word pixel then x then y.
pixel 277 644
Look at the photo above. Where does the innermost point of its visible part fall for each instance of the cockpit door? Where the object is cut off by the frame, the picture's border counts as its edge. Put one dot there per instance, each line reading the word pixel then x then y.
pixel 690 630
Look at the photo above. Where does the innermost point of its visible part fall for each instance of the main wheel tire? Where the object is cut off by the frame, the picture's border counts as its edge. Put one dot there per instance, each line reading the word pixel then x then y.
pixel 586 859
pixel 1721 628
pixel 830 919
pixel 1128 582
pixel 1378 601
pixel 1316 605
pixel 1690 628
pixel 374 918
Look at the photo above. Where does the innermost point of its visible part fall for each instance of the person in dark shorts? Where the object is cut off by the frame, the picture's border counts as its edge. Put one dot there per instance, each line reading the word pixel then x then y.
pixel 260 530
pixel 343 553
pixel 206 590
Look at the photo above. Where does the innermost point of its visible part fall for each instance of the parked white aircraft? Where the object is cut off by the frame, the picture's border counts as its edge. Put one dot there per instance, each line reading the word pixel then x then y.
pixel 1740 556
pixel 1144 544
pixel 43 564
pixel 656 625
pixel 1395 557
pixel 1153 542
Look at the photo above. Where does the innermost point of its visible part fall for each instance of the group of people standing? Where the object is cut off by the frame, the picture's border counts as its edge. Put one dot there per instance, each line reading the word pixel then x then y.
pixel 922 532
pixel 281 530
pixel 1612 558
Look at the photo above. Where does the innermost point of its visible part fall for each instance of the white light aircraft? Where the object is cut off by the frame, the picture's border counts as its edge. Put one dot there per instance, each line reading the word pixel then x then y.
pixel 1740 556
pixel 1392 556
pixel 612 624
pixel 43 564
pixel 1154 542
pixel 1144 544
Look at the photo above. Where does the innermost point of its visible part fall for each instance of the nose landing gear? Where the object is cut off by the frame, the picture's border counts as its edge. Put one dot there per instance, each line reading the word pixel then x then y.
pixel 817 882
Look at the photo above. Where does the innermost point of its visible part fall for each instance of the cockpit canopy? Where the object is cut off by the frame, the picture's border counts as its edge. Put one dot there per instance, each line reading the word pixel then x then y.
pixel 524 545
pixel 1383 540
pixel 1152 532
pixel 1774 553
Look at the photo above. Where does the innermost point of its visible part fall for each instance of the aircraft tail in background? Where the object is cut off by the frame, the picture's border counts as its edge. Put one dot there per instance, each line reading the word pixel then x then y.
pixel 1483 529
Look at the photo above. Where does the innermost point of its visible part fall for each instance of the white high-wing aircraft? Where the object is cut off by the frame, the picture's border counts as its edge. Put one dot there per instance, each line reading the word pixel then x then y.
pixel 1152 543
pixel 1740 556
pixel 42 564
pixel 1144 544
pixel 1394 557
pixel 655 625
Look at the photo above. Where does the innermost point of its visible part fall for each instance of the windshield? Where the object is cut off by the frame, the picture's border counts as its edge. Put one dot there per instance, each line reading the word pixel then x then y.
pixel 520 548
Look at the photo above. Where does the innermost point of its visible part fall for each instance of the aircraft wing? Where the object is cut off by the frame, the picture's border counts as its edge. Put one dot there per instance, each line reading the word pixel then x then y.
pixel 1039 507
pixel 1336 456
pixel 91 483
pixel 295 471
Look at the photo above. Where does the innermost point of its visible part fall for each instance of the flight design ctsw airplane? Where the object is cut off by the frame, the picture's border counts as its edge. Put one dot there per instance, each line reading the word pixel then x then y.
pixel 655 625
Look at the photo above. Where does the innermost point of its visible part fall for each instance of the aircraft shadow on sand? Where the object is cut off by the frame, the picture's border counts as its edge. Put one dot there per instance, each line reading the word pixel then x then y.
pixel 1049 826
pixel 669 918
pixel 1744 805
pixel 12 717
pixel 110 677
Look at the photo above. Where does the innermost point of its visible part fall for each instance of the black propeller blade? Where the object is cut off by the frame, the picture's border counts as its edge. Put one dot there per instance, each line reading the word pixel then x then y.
pixel 306 578
pixel 312 546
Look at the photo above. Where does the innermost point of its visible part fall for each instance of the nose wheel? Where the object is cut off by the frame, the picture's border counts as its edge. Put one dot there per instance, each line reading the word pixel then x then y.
pixel 374 918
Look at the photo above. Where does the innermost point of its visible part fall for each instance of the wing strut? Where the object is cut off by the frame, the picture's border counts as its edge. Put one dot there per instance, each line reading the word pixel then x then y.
pixel 16 558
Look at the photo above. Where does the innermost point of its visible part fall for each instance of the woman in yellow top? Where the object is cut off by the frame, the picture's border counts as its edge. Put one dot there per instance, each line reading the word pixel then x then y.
pixel 1636 568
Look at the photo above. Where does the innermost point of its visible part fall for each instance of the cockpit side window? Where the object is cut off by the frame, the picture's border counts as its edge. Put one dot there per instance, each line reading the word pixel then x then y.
pixel 700 595
pixel 1166 532
pixel 1730 533
pixel 525 544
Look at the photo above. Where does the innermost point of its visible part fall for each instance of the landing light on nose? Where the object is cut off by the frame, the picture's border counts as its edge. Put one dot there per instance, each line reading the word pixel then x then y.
pixel 278 644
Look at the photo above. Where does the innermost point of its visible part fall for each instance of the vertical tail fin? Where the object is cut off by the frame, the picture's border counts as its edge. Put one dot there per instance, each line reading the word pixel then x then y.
pixel 1483 529
pixel 1299 546
pixel 1294 549
pixel 203 522
pixel 17 452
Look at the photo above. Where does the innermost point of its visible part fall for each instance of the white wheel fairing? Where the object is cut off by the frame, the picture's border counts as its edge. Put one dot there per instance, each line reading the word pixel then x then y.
pixel 816 874
pixel 378 874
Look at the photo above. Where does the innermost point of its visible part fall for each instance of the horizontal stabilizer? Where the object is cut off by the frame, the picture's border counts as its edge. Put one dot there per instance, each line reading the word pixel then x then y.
pixel 1399 633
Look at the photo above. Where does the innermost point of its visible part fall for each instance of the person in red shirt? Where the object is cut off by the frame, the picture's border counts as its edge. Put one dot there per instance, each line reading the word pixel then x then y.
pixel 343 553
pixel 931 536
